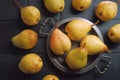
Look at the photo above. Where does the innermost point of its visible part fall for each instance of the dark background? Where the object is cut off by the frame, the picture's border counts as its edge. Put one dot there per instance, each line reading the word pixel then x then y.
pixel 11 24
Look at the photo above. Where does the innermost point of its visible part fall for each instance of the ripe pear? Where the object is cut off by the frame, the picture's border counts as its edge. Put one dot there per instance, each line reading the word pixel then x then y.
pixel 114 33
pixel 54 6
pixel 81 5
pixel 31 63
pixel 50 77
pixel 26 39
pixel 94 45
pixel 30 15
pixel 77 58
pixel 59 42
pixel 106 10
pixel 77 29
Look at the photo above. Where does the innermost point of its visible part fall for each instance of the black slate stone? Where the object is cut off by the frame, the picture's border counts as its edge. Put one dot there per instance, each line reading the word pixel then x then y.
pixel 9 10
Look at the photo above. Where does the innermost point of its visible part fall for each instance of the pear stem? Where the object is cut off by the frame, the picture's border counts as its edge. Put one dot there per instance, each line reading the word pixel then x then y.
pixel 98 21
pixel 16 2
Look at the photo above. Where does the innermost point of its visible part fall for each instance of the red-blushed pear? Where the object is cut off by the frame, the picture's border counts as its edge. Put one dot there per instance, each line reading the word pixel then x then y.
pixel 59 42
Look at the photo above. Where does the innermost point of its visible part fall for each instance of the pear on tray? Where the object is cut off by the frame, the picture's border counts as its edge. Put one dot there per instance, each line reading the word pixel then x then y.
pixel 77 58
pixel 59 42
pixel 77 29
pixel 94 45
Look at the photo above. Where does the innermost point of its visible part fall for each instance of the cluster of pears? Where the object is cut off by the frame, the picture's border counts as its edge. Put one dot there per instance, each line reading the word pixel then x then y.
pixel 105 10
pixel 76 30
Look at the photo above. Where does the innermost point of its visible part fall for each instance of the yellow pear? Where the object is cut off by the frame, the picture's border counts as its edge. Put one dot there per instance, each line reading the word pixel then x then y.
pixel 59 42
pixel 77 58
pixel 54 6
pixel 114 33
pixel 94 45
pixel 106 10
pixel 31 63
pixel 50 77
pixel 30 15
pixel 26 39
pixel 77 29
pixel 81 5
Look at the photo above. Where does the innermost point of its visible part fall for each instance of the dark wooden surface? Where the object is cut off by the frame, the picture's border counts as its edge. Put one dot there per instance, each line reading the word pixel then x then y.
pixel 11 24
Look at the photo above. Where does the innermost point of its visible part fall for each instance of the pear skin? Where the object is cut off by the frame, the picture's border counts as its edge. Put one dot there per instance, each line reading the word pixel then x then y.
pixel 94 45
pixel 30 15
pixel 54 6
pixel 77 29
pixel 77 58
pixel 106 10
pixel 31 63
pixel 59 42
pixel 81 5
pixel 26 39
pixel 50 77
pixel 114 33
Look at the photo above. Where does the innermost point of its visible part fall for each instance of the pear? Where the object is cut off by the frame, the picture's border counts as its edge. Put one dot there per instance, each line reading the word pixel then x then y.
pixel 30 14
pixel 106 10
pixel 26 39
pixel 77 29
pixel 59 42
pixel 54 6
pixel 30 63
pixel 77 58
pixel 50 77
pixel 114 33
pixel 94 45
pixel 81 5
